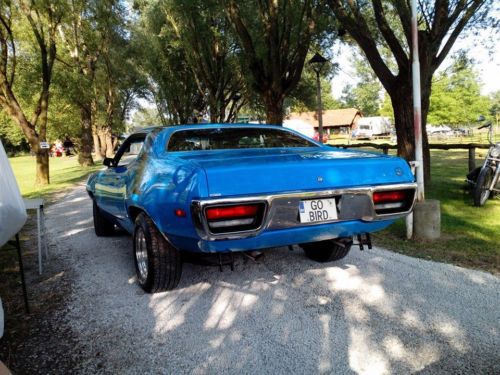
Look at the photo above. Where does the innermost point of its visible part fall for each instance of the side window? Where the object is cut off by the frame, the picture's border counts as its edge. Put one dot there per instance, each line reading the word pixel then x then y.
pixel 129 150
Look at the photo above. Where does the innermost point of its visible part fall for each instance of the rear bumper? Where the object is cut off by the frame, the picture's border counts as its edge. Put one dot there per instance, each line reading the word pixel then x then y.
pixel 281 237
pixel 354 205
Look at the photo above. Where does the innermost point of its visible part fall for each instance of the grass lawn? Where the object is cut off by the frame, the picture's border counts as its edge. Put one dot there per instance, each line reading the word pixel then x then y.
pixel 64 172
pixel 470 235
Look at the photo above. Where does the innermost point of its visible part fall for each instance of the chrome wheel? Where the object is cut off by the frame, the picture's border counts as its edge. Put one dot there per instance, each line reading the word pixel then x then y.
pixel 141 255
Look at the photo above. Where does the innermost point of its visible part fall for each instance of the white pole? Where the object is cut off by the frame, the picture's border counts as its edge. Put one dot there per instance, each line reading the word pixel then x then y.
pixel 417 107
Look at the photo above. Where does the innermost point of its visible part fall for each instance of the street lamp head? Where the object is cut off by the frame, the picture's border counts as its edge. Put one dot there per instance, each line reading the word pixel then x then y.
pixel 317 62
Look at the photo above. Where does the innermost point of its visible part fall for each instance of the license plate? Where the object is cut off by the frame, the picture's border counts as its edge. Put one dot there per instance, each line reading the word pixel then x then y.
pixel 317 210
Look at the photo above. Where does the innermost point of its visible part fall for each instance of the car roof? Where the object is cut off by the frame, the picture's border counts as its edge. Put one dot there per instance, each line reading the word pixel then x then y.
pixel 172 128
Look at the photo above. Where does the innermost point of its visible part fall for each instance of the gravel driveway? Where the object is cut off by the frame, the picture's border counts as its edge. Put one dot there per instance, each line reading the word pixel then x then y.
pixel 373 312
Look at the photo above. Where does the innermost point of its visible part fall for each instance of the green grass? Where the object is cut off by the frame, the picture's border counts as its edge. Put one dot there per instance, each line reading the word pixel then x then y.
pixel 64 172
pixel 470 235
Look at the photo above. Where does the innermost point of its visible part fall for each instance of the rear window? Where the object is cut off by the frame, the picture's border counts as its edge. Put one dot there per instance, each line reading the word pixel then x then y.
pixel 234 138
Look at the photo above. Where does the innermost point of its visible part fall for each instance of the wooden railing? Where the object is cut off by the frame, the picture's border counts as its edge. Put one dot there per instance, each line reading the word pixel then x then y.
pixel 385 147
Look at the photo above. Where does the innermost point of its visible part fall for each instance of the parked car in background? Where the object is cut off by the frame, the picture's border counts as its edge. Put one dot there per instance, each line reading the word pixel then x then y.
pixel 237 188
pixel 441 130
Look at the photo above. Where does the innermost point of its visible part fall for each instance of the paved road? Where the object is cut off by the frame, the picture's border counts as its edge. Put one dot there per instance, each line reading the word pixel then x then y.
pixel 374 312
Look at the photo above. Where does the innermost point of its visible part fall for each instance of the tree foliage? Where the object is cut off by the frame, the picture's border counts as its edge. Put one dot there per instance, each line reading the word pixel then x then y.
pixel 456 98
pixel 275 37
pixel 162 58
pixel 380 25
pixel 212 54
pixel 365 94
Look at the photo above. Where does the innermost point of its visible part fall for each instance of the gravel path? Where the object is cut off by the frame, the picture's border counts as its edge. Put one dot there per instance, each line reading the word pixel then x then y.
pixel 374 312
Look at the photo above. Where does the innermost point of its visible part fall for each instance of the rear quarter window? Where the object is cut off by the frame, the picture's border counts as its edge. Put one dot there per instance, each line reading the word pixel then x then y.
pixel 234 138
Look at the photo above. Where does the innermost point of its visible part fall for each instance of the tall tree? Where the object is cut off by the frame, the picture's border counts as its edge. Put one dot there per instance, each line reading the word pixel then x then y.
pixel 43 19
pixel 163 60
pixel 275 38
pixel 387 24
pixel 211 51
pixel 116 85
pixel 86 34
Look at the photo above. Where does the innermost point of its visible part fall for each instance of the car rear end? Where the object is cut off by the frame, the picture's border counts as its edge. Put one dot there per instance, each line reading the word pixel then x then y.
pixel 260 201
pixel 246 223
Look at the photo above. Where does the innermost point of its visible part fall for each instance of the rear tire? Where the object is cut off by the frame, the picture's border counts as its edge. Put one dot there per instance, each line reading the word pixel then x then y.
pixel 158 264
pixel 481 192
pixel 102 225
pixel 329 250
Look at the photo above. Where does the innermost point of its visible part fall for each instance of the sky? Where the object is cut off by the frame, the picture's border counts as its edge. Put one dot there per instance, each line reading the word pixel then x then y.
pixel 487 62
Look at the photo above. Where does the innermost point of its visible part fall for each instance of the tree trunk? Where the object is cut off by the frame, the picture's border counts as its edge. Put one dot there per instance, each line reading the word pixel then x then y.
pixel 85 155
pixel 106 139
pixel 97 148
pixel 102 142
pixel 42 156
pixel 402 102
pixel 42 167
pixel 274 108
pixel 110 151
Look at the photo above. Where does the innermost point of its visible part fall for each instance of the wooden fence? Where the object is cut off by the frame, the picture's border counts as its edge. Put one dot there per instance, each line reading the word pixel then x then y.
pixel 385 147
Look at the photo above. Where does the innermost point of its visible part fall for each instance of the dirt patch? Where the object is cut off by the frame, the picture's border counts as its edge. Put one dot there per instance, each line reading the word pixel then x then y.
pixel 40 342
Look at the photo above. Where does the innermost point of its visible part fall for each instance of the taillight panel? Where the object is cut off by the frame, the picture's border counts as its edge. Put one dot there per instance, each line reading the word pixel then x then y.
pixel 235 217
pixel 392 201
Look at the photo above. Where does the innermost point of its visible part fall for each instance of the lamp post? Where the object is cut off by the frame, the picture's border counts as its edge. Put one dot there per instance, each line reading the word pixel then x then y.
pixel 317 62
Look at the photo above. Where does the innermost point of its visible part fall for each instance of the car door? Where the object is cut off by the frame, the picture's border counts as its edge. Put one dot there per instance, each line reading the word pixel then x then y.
pixel 111 189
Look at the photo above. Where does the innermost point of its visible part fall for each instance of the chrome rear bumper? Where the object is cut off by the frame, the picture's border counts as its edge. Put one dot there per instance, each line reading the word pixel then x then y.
pixel 282 209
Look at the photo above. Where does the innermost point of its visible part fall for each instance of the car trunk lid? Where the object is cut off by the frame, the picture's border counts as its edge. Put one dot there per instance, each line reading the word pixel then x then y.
pixel 267 171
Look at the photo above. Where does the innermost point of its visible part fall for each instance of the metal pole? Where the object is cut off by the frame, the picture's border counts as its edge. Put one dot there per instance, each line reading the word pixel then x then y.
pixel 21 271
pixel 417 107
pixel 320 108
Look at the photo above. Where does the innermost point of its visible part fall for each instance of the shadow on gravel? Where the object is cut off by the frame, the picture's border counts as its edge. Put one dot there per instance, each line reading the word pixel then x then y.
pixel 373 312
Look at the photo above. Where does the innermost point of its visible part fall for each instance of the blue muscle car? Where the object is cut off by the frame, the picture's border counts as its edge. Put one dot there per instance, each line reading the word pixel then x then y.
pixel 238 188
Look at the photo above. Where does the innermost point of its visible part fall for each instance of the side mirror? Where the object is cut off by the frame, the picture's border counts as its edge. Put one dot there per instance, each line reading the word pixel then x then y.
pixel 108 162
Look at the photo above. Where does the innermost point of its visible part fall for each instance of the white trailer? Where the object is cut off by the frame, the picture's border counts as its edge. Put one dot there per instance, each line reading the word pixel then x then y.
pixel 369 127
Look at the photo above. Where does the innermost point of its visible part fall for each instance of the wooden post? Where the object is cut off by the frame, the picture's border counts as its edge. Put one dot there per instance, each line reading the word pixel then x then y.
pixel 385 149
pixel 472 158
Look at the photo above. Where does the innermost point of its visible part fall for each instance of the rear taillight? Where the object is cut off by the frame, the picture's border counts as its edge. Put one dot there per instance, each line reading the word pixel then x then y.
pixel 387 202
pixel 234 218
pixel 388 196
pixel 231 212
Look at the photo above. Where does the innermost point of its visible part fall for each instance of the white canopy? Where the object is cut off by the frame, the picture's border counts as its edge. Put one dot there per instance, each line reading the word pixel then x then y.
pixel 12 209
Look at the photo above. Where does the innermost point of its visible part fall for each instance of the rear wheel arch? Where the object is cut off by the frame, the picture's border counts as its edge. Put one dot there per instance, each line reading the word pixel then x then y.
pixel 134 211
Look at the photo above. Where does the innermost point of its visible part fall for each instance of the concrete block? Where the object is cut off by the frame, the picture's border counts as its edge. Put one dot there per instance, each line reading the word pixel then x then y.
pixel 427 220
